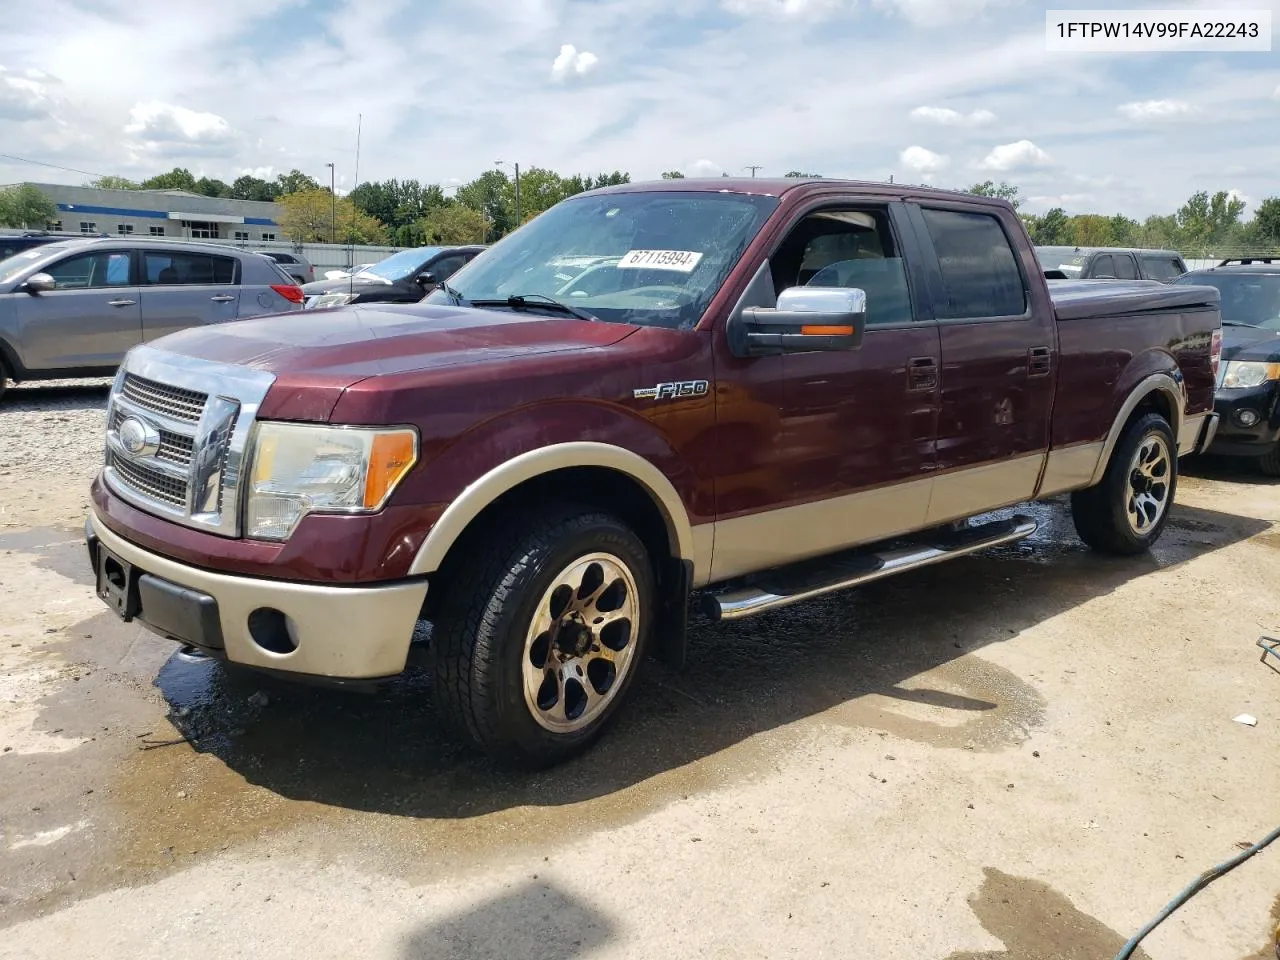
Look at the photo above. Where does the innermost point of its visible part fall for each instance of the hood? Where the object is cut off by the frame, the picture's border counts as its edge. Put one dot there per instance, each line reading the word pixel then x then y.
pixel 341 346
pixel 1250 343
pixel 342 285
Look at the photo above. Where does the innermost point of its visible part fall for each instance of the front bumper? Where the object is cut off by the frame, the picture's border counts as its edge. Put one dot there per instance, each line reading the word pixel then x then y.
pixel 1234 438
pixel 340 632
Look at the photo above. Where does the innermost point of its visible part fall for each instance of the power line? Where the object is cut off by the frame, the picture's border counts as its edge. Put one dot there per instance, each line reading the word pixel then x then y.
pixel 54 166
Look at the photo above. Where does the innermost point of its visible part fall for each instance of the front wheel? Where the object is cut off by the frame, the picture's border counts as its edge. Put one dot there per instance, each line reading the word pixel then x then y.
pixel 1269 463
pixel 1126 513
pixel 541 634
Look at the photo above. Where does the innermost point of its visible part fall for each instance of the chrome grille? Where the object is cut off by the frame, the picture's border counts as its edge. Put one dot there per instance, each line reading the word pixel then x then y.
pixel 182 456
pixel 151 483
pixel 176 402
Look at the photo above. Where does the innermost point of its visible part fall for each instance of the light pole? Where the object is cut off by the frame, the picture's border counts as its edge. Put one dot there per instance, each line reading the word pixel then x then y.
pixel 753 168
pixel 502 163
pixel 333 206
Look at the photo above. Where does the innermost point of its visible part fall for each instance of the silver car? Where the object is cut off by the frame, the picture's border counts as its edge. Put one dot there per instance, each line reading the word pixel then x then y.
pixel 295 265
pixel 72 309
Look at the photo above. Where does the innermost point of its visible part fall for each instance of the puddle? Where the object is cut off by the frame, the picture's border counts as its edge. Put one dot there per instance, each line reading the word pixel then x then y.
pixel 1035 922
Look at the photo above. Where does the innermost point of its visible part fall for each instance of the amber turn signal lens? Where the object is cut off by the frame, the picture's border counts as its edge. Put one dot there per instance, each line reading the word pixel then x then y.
pixel 821 331
pixel 392 455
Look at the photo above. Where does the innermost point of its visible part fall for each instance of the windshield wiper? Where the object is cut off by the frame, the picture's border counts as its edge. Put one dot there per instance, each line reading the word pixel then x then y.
pixel 523 301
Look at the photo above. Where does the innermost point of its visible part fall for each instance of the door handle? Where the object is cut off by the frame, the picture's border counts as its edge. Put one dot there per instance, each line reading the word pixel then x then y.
pixel 121 303
pixel 922 374
pixel 222 298
pixel 1039 361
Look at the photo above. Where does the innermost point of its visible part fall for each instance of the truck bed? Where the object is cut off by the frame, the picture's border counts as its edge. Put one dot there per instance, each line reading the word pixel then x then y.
pixel 1086 299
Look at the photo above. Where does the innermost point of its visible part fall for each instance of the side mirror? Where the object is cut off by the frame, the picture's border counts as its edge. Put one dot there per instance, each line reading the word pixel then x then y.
pixel 39 283
pixel 806 319
pixel 426 279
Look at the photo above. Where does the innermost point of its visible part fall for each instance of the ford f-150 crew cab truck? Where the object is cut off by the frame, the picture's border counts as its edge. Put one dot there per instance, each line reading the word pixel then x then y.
pixel 750 392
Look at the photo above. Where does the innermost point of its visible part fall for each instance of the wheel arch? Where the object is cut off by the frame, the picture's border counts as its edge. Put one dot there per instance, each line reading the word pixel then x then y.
pixel 1154 393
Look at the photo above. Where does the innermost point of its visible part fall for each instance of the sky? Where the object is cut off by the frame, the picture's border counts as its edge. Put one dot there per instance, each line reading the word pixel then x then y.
pixel 948 92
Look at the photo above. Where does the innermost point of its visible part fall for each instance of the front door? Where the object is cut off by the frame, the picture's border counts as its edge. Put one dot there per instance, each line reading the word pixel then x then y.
pixel 181 290
pixel 845 454
pixel 999 350
pixel 89 320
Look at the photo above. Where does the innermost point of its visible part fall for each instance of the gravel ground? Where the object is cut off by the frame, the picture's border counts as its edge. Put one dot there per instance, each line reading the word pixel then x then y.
pixel 1018 755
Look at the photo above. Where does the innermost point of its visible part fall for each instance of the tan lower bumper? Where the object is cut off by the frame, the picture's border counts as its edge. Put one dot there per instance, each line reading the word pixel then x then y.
pixel 351 632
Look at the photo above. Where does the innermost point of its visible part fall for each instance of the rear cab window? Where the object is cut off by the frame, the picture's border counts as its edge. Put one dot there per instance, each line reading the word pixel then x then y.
pixel 980 274
pixel 1162 268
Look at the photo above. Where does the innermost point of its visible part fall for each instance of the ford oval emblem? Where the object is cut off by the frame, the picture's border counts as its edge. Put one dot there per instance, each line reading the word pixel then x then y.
pixel 138 438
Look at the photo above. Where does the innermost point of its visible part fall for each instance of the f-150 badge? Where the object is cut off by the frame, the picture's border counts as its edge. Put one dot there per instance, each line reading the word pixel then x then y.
pixel 672 390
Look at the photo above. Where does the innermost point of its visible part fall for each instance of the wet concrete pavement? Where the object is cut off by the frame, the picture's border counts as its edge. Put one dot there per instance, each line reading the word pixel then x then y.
pixel 1021 754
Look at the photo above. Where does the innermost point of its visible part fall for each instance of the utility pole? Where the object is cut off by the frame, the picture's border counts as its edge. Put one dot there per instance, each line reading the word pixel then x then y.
pixel 333 206
pixel 753 168
pixel 503 163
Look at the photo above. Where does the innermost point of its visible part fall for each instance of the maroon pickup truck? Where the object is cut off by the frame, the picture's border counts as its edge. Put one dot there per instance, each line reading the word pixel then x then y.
pixel 751 392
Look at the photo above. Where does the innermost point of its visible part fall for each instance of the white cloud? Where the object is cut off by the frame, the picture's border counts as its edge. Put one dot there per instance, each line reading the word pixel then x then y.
pixel 1156 109
pixel 924 161
pixel 703 168
pixel 155 121
pixel 1071 202
pixel 24 97
pixel 1238 195
pixel 573 62
pixel 787 9
pixel 262 173
pixel 947 117
pixel 933 13
pixel 1020 155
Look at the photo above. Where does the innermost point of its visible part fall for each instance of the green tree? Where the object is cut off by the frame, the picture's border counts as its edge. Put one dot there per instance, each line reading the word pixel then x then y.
pixel 797 175
pixel 1002 190
pixel 1125 232
pixel 179 178
pixel 26 207
pixel 114 183
pixel 309 217
pixel 397 203
pixel 295 181
pixel 1053 229
pixel 672 175
pixel 453 224
pixel 212 188
pixel 490 194
pixel 253 188
pixel 1158 231
pixel 1092 230
pixel 1265 226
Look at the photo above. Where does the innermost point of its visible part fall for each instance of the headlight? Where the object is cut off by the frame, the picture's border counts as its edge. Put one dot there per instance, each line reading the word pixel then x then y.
pixel 299 469
pixel 331 300
pixel 1249 373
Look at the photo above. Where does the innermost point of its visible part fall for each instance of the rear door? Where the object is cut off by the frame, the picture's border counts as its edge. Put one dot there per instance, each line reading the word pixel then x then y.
pixel 999 349
pixel 183 289
pixel 90 319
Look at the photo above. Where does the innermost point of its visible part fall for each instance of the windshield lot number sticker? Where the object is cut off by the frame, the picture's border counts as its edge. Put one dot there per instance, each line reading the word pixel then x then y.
pixel 669 391
pixel 680 261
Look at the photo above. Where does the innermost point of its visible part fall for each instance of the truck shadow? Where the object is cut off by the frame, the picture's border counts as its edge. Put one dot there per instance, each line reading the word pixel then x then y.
pixel 890 657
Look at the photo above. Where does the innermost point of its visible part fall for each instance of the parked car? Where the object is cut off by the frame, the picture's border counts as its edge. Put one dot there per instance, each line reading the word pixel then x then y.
pixel 74 308
pixel 1111 263
pixel 349 271
pixel 295 265
pixel 404 277
pixel 11 243
pixel 1248 399
pixel 785 388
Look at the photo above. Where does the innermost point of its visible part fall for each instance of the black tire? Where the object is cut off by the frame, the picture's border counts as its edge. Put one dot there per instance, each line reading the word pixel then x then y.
pixel 4 377
pixel 484 621
pixel 1269 464
pixel 1101 513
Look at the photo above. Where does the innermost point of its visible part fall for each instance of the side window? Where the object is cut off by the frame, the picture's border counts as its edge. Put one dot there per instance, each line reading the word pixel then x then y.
pixel 847 248
pixel 1161 268
pixel 1126 269
pixel 178 269
pixel 91 270
pixel 980 273
pixel 446 267
pixel 1104 268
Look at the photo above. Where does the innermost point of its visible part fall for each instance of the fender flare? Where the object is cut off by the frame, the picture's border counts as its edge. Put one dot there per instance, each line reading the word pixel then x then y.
pixel 557 456
pixel 1156 382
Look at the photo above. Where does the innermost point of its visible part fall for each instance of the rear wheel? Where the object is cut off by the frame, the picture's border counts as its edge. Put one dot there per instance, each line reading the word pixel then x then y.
pixel 541 634
pixel 1270 463
pixel 1126 513
pixel 4 377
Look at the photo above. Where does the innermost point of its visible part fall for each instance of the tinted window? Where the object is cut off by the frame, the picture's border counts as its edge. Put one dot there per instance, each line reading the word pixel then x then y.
pixel 446 267
pixel 281 258
pixel 1104 267
pixel 1126 269
pixel 1161 268
pixel 172 269
pixel 980 274
pixel 91 270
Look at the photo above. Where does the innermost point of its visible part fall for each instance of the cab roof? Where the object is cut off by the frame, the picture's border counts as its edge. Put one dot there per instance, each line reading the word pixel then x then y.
pixel 777 186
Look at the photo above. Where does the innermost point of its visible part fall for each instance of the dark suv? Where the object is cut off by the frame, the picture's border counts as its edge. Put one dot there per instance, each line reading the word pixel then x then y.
pixel 11 243
pixel 1248 396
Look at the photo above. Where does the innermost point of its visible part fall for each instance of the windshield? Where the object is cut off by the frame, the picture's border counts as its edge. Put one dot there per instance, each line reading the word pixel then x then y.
pixel 399 265
pixel 1067 259
pixel 11 267
pixel 1247 298
pixel 650 258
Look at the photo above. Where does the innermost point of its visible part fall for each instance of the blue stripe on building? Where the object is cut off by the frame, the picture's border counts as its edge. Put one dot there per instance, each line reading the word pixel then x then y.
pixel 148 214
pixel 261 221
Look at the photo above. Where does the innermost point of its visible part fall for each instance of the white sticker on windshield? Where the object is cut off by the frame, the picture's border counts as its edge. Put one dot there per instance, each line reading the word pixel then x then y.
pixel 681 261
